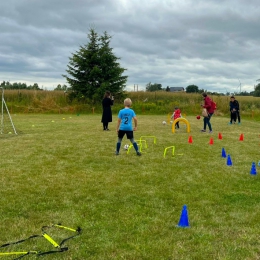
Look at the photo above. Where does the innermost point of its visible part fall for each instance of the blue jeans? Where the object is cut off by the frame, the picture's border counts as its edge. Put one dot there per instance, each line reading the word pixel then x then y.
pixel 207 122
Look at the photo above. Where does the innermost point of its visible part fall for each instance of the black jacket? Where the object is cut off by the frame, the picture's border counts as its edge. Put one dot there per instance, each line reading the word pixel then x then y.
pixel 107 112
pixel 233 105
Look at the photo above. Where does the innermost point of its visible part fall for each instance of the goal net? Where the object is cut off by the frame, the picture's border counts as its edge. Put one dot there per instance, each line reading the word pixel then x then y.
pixel 7 125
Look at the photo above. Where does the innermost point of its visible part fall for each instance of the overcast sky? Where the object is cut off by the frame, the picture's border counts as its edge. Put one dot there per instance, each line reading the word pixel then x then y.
pixel 214 44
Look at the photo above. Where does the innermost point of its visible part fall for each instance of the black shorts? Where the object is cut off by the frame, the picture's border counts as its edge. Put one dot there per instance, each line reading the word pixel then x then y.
pixel 129 134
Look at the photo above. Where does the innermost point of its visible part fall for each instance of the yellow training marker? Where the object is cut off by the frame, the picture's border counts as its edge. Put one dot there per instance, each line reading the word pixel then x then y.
pixel 131 145
pixel 166 149
pixel 51 240
pixel 181 119
pixel 151 136
pixel 140 142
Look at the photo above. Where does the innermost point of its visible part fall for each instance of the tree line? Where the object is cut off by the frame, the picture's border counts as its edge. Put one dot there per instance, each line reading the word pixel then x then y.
pixel 19 85
pixel 35 86
pixel 195 89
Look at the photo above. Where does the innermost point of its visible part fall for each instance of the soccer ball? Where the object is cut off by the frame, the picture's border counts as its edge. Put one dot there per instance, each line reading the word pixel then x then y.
pixel 126 147
pixel 164 122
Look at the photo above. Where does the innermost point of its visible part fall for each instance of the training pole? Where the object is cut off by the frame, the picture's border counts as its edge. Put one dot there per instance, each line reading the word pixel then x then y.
pixel 2 117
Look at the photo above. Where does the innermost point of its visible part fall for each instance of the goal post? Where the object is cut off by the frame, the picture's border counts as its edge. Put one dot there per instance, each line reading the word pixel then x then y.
pixel 5 115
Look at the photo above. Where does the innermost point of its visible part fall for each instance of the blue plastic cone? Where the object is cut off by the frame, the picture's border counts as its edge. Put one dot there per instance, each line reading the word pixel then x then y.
pixel 253 169
pixel 184 219
pixel 223 153
pixel 229 161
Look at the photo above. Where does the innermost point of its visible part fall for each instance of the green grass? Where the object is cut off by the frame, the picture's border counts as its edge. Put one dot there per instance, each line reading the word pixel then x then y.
pixel 128 206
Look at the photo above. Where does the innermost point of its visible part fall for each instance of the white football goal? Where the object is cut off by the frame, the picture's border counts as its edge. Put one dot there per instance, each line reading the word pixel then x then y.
pixel 7 125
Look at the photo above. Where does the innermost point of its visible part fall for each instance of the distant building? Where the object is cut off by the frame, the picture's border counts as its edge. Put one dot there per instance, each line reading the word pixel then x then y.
pixel 176 89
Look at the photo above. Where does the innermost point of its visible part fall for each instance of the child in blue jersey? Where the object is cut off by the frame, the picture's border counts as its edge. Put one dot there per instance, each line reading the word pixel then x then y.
pixel 124 126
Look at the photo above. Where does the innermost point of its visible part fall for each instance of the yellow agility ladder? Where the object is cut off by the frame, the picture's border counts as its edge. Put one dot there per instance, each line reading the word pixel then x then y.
pixel 59 246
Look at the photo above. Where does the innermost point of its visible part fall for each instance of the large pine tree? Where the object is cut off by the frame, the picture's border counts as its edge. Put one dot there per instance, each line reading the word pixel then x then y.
pixel 94 68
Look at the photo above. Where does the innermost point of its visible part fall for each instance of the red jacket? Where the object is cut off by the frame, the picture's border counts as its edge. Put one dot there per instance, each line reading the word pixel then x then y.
pixel 207 105
pixel 176 114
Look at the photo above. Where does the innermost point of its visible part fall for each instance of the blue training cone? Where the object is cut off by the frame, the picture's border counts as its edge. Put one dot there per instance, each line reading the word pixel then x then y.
pixel 229 161
pixel 184 219
pixel 223 153
pixel 253 169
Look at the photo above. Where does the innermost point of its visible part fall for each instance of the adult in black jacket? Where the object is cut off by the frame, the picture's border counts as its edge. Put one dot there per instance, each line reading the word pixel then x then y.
pixel 107 102
pixel 234 110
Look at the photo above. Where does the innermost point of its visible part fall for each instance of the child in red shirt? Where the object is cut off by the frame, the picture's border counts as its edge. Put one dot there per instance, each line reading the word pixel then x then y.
pixel 176 114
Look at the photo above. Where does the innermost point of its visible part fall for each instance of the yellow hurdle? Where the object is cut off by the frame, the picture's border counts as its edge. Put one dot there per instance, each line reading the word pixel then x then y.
pixel 166 149
pixel 150 136
pixel 139 142
pixel 181 119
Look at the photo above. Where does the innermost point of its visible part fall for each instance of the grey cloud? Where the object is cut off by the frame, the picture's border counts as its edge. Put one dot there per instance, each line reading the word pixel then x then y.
pixel 169 42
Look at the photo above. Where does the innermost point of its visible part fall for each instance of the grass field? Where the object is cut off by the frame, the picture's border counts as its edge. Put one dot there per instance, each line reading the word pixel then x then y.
pixel 62 169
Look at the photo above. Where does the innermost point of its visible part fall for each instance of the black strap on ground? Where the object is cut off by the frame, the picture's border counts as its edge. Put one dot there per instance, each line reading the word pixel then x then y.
pixel 58 246
pixel 20 241
pixel 28 253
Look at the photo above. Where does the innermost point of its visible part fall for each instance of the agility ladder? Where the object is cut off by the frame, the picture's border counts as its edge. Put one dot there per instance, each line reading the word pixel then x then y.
pixel 59 246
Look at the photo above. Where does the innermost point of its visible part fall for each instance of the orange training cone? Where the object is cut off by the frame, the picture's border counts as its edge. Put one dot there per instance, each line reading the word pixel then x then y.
pixel 241 138
pixel 219 136
pixel 211 140
pixel 190 140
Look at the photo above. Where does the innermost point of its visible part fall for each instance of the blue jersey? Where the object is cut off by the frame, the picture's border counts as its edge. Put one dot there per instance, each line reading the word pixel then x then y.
pixel 126 115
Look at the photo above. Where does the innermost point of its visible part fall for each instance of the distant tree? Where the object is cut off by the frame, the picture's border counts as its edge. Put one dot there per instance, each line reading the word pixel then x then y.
pixel 192 89
pixel 167 89
pixel 62 88
pixel 23 86
pixel 6 85
pixel 202 90
pixel 94 68
pixel 243 93
pixel 35 86
pixel 257 91
pixel 15 85
pixel 153 87
pixel 58 87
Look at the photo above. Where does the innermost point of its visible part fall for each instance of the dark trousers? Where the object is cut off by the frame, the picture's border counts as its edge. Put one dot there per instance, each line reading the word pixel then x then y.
pixel 238 116
pixel 207 122
pixel 234 116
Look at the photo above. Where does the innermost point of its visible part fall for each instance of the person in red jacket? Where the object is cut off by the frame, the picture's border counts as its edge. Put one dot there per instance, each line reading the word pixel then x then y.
pixel 208 105
pixel 176 114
